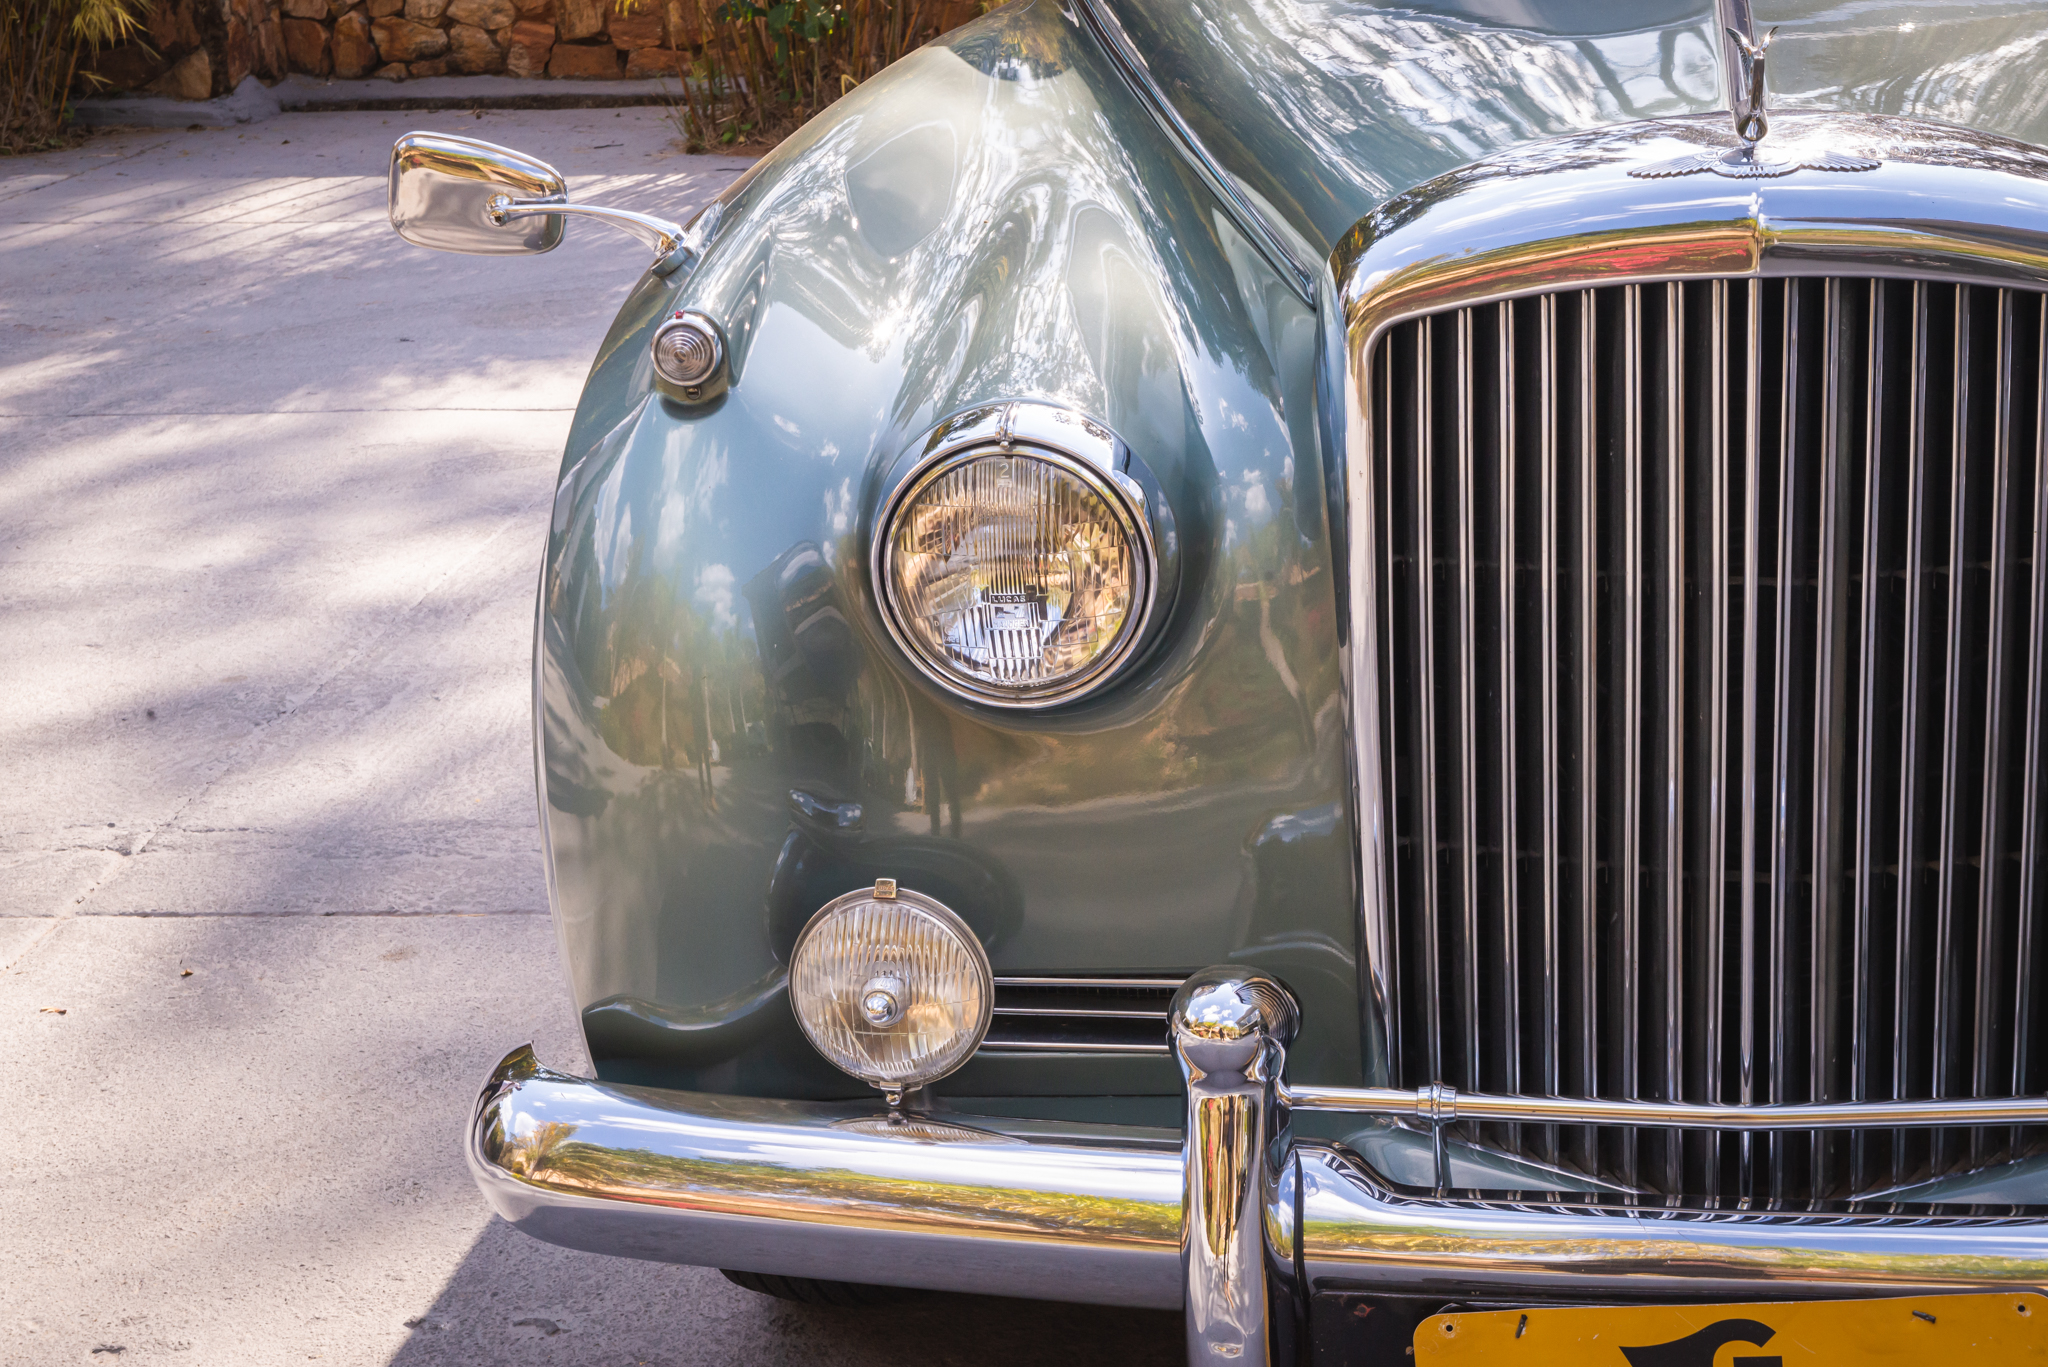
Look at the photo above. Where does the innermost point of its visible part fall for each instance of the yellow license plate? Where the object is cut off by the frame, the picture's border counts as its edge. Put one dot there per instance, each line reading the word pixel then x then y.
pixel 1937 1331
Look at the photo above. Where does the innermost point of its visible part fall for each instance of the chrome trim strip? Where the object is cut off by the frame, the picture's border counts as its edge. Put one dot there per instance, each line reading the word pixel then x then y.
pixel 833 1190
pixel 1553 749
pixel 1952 686
pixel 1990 864
pixel 1468 702
pixel 1674 714
pixel 1778 1008
pixel 1714 1047
pixel 1089 1013
pixel 1425 684
pixel 1511 912
pixel 1130 64
pixel 1752 512
pixel 2030 757
pixel 1630 603
pixel 1587 690
pixel 1371 675
pixel 1867 858
pixel 1167 985
pixel 1429 1104
pixel 1823 975
pixel 1358 1235
pixel 1903 915
pixel 997 1047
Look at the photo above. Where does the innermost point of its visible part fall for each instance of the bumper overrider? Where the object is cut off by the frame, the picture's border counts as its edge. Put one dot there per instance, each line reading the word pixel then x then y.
pixel 1234 1224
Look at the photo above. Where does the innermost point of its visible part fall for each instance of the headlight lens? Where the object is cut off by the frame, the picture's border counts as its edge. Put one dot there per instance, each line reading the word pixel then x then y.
pixel 1016 576
pixel 891 987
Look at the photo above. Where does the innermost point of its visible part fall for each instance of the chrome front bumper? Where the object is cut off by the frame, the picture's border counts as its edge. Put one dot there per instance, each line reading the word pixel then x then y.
pixel 850 1192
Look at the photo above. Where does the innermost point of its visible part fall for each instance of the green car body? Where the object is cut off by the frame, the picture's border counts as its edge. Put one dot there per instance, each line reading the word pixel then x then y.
pixel 999 217
pixel 1475 392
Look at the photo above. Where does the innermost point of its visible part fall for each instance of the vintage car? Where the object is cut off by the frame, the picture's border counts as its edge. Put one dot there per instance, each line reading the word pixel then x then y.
pixel 1371 670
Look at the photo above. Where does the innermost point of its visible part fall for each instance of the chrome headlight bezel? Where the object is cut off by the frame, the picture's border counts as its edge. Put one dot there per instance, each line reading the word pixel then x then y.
pixel 1083 449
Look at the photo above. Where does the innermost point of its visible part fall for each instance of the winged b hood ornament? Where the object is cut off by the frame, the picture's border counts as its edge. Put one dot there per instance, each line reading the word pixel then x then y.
pixel 1743 60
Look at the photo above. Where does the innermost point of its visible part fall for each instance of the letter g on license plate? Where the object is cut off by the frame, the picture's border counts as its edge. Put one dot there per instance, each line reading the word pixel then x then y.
pixel 1989 1330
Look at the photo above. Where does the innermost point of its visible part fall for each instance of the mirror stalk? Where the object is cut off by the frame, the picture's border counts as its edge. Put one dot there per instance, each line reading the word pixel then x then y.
pixel 670 251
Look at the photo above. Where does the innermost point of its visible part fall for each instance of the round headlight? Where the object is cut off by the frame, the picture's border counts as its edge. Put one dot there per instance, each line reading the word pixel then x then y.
pixel 891 987
pixel 1015 575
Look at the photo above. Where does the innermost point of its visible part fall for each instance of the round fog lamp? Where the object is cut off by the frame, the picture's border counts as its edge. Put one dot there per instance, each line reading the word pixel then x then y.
pixel 1015 576
pixel 891 987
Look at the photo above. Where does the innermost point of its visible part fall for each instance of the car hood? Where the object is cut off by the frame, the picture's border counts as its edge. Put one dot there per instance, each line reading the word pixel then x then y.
pixel 1325 108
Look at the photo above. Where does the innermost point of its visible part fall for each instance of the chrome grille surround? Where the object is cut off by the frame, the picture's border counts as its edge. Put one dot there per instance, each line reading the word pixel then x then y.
pixel 1951 215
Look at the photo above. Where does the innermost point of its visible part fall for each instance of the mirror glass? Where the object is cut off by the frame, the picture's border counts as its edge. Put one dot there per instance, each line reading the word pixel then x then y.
pixel 442 187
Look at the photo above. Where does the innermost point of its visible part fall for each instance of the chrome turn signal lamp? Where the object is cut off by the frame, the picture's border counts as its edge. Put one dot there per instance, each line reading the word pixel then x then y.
pixel 891 987
pixel 689 357
pixel 1016 564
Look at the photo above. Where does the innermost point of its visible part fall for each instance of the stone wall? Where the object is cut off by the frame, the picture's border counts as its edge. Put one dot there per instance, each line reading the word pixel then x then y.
pixel 196 49
pixel 201 48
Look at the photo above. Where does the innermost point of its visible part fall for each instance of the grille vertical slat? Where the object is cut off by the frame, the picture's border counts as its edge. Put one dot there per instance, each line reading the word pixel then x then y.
pixel 1468 702
pixel 1674 738
pixel 1985 1045
pixel 1863 966
pixel 1831 637
pixel 1504 503
pixel 1950 867
pixel 1713 610
pixel 1424 572
pixel 1385 443
pixel 1715 873
pixel 1631 590
pixel 1752 514
pixel 1672 1084
pixel 1550 1028
pixel 2024 1024
pixel 1904 960
pixel 1778 1008
pixel 1587 537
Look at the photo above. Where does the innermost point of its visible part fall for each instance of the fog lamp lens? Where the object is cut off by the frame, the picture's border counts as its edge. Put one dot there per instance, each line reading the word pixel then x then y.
pixel 1015 577
pixel 891 987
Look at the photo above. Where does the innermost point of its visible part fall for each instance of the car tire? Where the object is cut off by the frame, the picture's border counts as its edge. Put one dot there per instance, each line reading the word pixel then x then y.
pixel 811 1291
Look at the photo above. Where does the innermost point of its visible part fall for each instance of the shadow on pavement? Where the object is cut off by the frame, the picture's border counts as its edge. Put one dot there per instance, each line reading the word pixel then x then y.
pixel 515 1300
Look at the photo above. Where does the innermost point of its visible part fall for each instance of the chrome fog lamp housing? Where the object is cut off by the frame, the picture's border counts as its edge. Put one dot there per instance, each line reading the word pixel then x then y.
pixel 689 357
pixel 891 987
pixel 1015 564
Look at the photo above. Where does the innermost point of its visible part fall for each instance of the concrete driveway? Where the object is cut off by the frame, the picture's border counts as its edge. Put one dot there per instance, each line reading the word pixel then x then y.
pixel 272 497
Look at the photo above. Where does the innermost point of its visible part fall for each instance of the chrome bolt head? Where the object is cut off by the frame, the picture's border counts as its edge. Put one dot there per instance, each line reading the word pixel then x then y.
pixel 881 1001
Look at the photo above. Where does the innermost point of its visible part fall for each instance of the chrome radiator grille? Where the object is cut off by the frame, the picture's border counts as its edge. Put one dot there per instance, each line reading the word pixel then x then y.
pixel 1712 622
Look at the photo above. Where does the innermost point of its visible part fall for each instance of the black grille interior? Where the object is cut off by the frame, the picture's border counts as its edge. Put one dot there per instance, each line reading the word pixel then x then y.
pixel 1088 1015
pixel 1712 627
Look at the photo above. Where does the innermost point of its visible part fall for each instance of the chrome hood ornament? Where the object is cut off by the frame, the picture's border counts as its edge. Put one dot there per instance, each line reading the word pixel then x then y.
pixel 1747 94
pixel 1743 63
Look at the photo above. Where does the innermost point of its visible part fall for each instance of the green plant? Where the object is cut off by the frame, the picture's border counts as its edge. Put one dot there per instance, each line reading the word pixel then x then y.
pixel 41 42
pixel 765 68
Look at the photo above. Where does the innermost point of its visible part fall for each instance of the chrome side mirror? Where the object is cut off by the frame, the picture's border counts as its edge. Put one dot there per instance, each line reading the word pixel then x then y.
pixel 444 187
pixel 458 194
